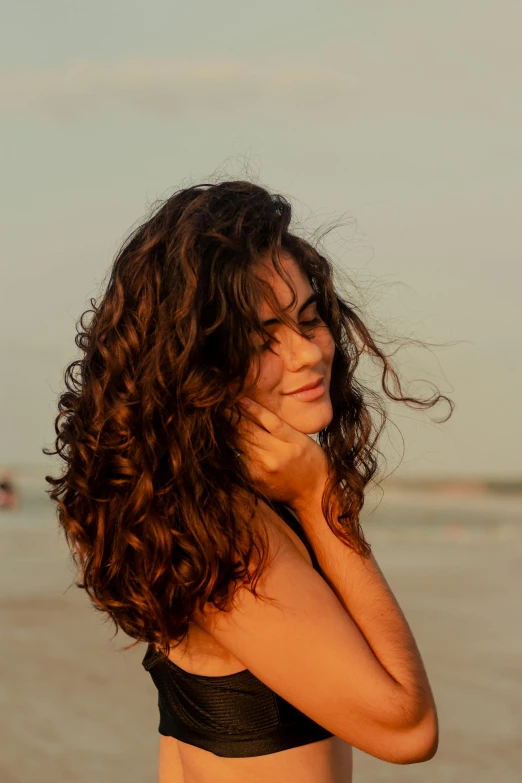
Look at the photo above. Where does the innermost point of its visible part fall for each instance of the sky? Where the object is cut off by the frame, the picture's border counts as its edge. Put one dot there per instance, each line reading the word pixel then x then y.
pixel 401 121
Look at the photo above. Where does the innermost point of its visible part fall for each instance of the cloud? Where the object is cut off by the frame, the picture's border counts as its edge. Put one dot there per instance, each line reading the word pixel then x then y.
pixel 170 86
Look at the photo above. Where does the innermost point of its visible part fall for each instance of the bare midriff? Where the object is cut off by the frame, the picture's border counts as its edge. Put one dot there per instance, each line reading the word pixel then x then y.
pixel 327 761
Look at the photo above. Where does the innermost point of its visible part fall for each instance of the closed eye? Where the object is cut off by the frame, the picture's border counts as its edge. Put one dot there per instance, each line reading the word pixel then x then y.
pixel 313 322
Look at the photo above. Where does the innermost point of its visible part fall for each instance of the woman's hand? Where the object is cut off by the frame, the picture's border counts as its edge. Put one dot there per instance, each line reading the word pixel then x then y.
pixel 285 464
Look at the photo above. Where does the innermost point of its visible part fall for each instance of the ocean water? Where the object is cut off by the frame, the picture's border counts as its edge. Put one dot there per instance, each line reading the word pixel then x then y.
pixel 479 515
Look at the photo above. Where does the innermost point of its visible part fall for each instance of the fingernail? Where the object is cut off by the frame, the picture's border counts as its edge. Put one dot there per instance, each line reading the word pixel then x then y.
pixel 246 401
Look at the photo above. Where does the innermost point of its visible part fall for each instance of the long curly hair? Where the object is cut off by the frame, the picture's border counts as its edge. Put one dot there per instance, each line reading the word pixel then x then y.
pixel 156 507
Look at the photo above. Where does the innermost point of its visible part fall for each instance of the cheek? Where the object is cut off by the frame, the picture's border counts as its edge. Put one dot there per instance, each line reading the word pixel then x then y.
pixel 327 345
pixel 270 371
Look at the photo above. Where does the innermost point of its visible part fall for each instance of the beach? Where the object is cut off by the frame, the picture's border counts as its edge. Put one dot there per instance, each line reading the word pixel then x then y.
pixel 75 709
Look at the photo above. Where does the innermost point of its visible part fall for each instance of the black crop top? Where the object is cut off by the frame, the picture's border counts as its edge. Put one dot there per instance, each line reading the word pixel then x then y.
pixel 235 715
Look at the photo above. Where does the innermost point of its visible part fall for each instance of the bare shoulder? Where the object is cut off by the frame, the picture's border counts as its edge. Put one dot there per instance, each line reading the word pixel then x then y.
pixel 296 632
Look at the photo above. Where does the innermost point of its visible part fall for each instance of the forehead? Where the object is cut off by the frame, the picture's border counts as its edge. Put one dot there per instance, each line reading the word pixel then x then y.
pixel 300 282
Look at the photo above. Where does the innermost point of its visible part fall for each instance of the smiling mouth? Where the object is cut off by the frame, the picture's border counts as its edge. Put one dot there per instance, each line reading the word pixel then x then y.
pixel 308 386
pixel 311 394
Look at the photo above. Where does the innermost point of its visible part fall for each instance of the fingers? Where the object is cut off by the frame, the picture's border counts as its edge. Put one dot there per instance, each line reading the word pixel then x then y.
pixel 247 427
pixel 264 417
pixel 250 408
pixel 258 425
pixel 252 433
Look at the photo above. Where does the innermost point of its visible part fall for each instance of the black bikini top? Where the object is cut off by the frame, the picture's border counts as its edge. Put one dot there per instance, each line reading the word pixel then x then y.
pixel 235 715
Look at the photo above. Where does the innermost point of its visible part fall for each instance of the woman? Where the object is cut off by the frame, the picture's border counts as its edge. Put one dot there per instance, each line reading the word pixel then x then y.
pixel 178 497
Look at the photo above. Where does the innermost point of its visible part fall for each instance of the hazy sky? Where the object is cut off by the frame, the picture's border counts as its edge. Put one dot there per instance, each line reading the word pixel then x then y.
pixel 405 117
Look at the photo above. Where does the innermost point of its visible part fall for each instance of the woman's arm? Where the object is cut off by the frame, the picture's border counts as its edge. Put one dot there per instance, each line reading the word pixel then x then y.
pixel 365 594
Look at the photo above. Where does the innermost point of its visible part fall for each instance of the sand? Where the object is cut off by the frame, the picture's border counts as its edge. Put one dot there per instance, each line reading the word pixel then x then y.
pixel 76 710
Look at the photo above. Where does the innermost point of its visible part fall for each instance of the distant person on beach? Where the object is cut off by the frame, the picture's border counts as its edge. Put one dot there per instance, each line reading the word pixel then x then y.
pixel 8 494
pixel 219 347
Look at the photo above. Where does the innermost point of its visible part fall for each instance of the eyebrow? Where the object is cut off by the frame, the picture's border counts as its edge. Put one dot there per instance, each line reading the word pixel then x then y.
pixel 311 298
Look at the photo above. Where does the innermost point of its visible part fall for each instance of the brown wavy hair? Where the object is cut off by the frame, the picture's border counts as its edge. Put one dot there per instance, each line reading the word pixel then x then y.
pixel 155 505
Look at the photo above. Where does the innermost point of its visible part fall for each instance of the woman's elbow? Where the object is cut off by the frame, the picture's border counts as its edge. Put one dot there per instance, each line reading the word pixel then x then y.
pixel 422 741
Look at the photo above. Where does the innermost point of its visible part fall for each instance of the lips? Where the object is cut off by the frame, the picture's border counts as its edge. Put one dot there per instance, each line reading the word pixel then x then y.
pixel 307 386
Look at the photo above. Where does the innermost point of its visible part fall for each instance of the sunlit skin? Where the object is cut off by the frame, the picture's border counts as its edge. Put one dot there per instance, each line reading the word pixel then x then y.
pixel 295 360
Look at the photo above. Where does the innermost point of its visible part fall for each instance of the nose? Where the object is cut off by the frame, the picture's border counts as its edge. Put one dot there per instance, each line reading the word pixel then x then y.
pixel 301 352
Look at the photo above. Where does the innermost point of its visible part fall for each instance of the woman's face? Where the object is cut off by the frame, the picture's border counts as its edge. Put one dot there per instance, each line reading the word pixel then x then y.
pixel 296 361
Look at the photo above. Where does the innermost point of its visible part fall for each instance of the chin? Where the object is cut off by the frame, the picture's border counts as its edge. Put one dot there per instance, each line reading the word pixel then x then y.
pixel 312 421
